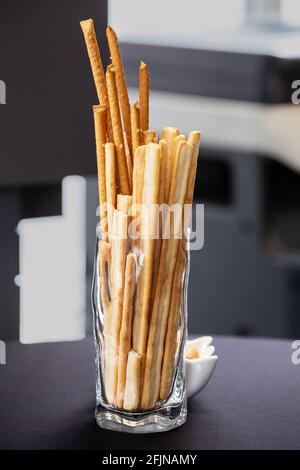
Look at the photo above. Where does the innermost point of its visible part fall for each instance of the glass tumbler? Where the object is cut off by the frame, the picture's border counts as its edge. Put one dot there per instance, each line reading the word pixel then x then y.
pixel 139 300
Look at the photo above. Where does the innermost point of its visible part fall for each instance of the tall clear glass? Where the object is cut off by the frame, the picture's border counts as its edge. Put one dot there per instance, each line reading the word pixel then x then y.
pixel 139 388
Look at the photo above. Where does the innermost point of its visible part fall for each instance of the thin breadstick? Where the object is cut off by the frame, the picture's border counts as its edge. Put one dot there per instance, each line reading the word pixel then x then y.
pixel 159 316
pixel 100 136
pixel 115 53
pixel 123 180
pixel 128 160
pixel 171 342
pixel 194 140
pixel 126 326
pixel 169 134
pixel 148 229
pixel 111 186
pixel 137 193
pixel 144 96
pixel 150 136
pixel 135 126
pixel 176 299
pixel 88 30
pixel 104 259
pixel 162 200
pixel 105 262
pixel 118 260
pixel 162 180
pixel 124 203
pixel 133 377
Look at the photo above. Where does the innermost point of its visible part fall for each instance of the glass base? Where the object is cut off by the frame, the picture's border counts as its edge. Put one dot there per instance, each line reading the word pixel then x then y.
pixel 158 420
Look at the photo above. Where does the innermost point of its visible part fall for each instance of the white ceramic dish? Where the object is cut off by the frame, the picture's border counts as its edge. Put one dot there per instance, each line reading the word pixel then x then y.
pixel 200 362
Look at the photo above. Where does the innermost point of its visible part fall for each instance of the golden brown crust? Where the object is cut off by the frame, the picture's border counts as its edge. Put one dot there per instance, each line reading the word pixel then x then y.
pixel 128 160
pixel 123 180
pixel 115 53
pixel 90 38
pixel 100 136
pixel 135 126
pixel 150 136
pixel 144 77
pixel 169 134
pixel 111 185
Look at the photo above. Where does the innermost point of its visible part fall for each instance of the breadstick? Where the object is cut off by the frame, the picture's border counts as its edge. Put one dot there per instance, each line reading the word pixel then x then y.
pixel 162 200
pixel 148 229
pixel 133 377
pixel 115 53
pixel 144 96
pixel 171 342
pixel 176 299
pixel 128 160
pixel 118 260
pixel 111 187
pixel 123 180
pixel 105 260
pixel 159 316
pixel 88 30
pixel 124 204
pixel 169 134
pixel 194 140
pixel 135 126
pixel 126 326
pixel 100 136
pixel 137 193
pixel 150 136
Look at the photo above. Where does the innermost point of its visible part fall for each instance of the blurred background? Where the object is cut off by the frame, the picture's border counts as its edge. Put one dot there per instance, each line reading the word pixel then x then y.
pixel 226 68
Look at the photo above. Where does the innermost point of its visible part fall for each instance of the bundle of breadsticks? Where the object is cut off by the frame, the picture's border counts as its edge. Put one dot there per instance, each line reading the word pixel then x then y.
pixel 142 270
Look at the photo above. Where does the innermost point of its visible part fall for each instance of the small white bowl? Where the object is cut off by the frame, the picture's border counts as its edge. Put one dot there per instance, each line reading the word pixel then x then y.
pixel 200 363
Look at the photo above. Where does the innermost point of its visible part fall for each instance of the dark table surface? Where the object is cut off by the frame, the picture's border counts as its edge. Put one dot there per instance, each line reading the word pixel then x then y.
pixel 47 398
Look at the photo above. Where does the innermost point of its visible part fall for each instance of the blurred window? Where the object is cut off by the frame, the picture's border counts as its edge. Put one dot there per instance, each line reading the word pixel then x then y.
pixel 290 12
pixel 173 22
